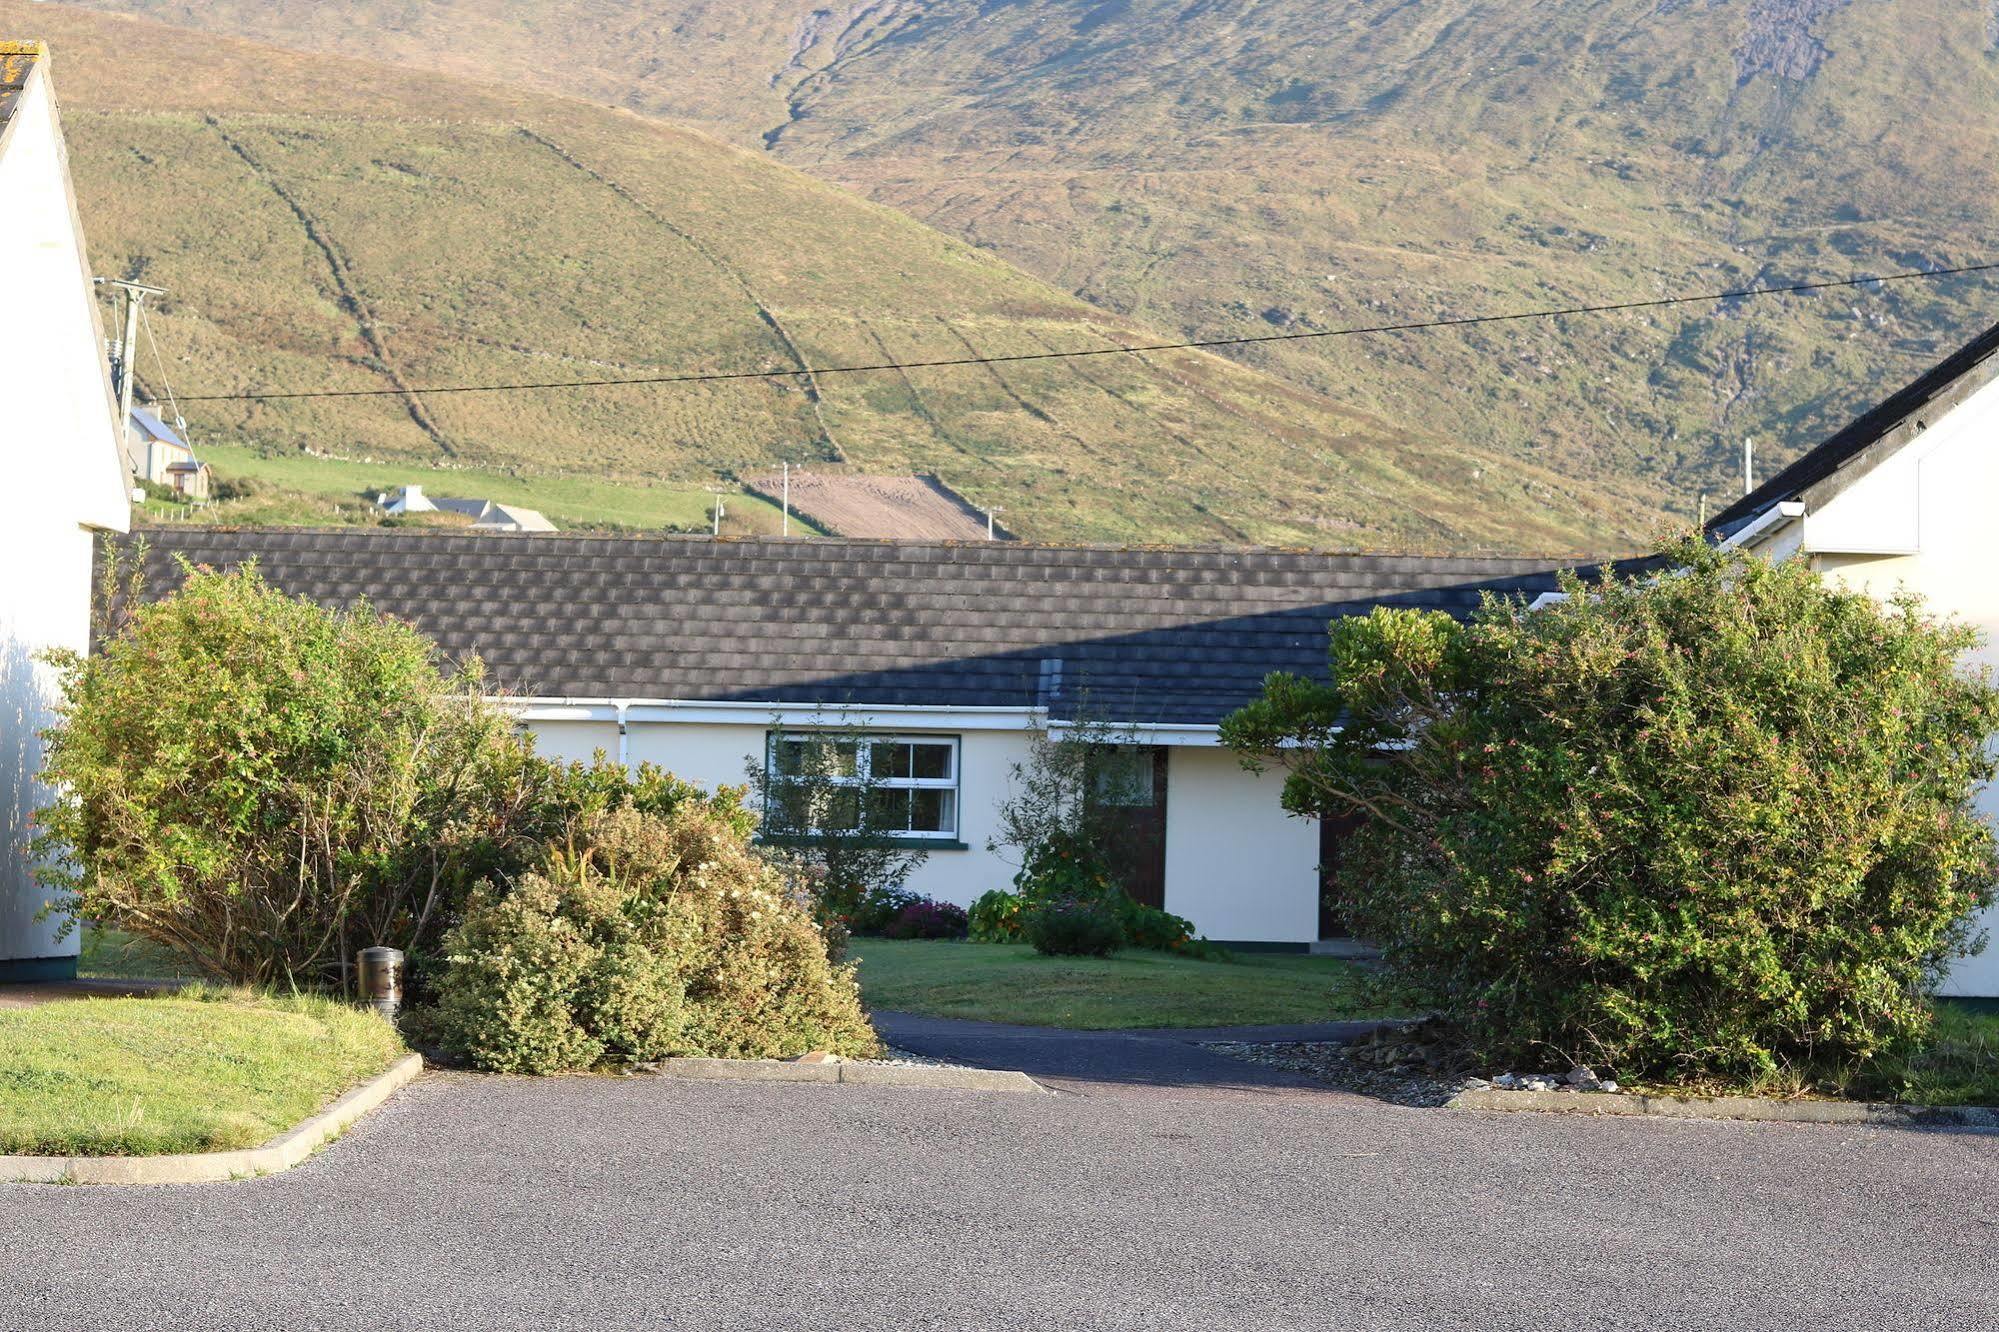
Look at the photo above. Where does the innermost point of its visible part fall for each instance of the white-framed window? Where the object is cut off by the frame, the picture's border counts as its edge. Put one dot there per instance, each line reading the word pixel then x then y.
pixel 899 786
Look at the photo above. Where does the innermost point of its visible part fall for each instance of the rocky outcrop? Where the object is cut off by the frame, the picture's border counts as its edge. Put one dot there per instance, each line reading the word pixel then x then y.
pixel 1782 39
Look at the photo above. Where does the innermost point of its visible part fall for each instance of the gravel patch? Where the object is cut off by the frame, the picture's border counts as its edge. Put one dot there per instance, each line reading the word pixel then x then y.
pixel 1344 1066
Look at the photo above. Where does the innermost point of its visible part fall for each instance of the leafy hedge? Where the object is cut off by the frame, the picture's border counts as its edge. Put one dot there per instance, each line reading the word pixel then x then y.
pixel 645 936
pixel 1713 821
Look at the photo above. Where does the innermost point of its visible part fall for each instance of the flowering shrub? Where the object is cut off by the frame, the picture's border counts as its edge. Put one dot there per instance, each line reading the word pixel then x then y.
pixel 928 919
pixel 879 908
pixel 1709 822
pixel 996 917
pixel 644 936
pixel 1074 927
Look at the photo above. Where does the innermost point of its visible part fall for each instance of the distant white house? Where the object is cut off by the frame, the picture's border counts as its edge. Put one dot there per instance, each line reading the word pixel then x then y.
pixel 486 515
pixel 492 516
pixel 156 452
pixel 60 444
pixel 1903 498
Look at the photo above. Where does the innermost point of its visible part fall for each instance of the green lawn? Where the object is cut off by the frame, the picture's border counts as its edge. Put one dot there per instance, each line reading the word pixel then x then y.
pixel 204 1070
pixel 1959 1066
pixel 1013 983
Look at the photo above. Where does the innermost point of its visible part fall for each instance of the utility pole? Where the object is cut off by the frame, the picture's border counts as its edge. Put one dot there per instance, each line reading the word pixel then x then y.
pixel 127 351
pixel 989 522
pixel 1748 465
pixel 718 509
pixel 787 500
pixel 1703 518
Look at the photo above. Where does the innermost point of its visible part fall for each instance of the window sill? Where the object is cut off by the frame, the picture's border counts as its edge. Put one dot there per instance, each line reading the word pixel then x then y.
pixel 893 843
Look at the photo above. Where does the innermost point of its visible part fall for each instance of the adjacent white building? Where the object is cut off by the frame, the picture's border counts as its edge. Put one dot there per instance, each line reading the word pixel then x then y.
pixel 66 480
pixel 1900 499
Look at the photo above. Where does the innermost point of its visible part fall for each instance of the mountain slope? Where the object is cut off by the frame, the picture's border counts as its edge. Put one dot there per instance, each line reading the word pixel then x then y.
pixel 334 223
pixel 1233 166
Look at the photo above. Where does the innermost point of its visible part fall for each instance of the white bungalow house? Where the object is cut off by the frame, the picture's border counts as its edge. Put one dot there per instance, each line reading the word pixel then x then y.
pixel 1900 498
pixel 701 655
pixel 60 446
pixel 157 452
pixel 486 515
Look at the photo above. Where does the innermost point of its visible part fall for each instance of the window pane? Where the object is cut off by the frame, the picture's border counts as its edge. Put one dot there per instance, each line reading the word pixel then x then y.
pixel 788 757
pixel 841 758
pixel 888 760
pixel 1123 778
pixel 932 811
pixel 888 810
pixel 930 761
pixel 842 812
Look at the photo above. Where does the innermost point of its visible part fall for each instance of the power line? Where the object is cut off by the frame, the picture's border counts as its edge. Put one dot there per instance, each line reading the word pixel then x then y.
pixel 722 376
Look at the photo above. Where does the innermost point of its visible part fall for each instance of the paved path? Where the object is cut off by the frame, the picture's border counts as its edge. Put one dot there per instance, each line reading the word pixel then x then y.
pixel 1166 1062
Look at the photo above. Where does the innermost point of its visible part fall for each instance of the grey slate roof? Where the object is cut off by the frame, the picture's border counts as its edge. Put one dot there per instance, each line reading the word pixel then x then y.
pixel 1874 435
pixel 1130 635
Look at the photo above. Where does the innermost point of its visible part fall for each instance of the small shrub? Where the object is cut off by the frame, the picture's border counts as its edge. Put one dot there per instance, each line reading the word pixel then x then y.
pixel 511 1000
pixel 645 935
pixel 1074 927
pixel 928 919
pixel 880 907
pixel 1149 927
pixel 996 917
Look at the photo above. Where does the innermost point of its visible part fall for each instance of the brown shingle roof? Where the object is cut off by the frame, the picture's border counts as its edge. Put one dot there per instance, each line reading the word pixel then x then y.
pixel 1132 635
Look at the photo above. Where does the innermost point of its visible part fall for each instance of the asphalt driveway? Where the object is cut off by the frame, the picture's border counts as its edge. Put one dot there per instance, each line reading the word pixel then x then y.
pixel 592 1202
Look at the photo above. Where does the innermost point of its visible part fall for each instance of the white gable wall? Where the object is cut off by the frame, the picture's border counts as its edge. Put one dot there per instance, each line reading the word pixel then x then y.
pixel 59 444
pixel 1923 520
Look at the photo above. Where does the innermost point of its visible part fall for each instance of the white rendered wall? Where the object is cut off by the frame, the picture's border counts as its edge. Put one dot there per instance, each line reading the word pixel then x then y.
pixel 59 452
pixel 1940 489
pixel 1237 865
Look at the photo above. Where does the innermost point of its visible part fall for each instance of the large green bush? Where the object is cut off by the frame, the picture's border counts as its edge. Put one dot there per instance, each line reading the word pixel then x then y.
pixel 641 936
pixel 267 786
pixel 1711 821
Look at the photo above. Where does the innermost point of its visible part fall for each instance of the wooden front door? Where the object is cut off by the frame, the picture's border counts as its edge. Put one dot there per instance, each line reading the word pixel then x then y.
pixel 1333 833
pixel 1128 796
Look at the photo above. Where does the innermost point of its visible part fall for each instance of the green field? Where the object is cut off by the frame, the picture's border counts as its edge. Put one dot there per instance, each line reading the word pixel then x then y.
pixel 567 500
pixel 1135 988
pixel 208 1071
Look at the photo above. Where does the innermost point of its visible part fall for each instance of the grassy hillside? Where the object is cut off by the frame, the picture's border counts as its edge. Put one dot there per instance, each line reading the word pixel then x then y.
pixel 333 223
pixel 1227 168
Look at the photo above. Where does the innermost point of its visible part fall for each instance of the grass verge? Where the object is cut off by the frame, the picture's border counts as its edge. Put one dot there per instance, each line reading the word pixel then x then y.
pixel 1013 983
pixel 198 1071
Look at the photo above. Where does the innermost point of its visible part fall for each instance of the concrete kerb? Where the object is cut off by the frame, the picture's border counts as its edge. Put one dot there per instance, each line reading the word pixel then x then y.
pixel 858 1074
pixel 1761 1108
pixel 281 1153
